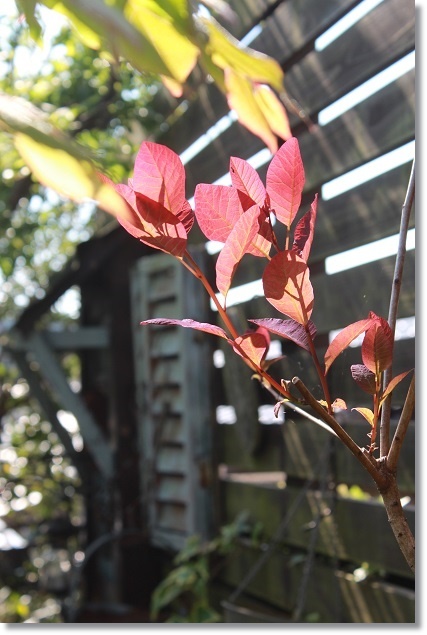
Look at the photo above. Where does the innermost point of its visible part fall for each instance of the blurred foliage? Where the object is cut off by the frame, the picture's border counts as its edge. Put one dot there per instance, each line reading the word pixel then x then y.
pixel 109 110
pixel 183 595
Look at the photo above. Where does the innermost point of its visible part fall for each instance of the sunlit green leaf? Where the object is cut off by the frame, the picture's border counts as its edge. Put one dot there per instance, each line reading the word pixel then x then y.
pixel 226 52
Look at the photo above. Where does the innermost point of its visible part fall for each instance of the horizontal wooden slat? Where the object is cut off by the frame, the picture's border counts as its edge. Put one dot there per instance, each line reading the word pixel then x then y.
pixel 171 517
pixel 164 341
pixel 355 531
pixel 172 430
pixel 347 296
pixel 166 371
pixel 172 488
pixel 302 440
pixel 331 596
pixel 370 211
pixel 295 24
pixel 171 460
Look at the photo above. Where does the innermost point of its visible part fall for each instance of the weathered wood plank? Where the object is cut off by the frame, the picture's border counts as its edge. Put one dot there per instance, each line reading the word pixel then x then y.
pixel 370 211
pixel 356 531
pixel 383 36
pixel 332 596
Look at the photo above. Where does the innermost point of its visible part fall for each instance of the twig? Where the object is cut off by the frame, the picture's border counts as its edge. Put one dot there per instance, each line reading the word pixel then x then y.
pixel 402 426
pixel 367 461
pixel 394 302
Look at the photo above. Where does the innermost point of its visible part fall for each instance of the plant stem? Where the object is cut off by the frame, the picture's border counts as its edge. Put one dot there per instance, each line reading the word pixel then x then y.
pixel 396 517
pixel 367 461
pixel 402 426
pixel 394 301
pixel 198 273
pixel 320 372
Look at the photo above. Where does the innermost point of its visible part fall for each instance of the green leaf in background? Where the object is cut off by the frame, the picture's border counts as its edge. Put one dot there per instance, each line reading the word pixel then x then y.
pixel 226 53
pixel 27 7
pixel 56 160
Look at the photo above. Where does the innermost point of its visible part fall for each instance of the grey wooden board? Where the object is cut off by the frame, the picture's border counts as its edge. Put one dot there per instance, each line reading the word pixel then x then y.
pixel 173 401
pixel 332 595
pixel 355 531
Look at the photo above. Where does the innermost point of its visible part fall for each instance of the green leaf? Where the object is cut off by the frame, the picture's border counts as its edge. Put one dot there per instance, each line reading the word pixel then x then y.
pixel 56 160
pixel 27 7
pixel 240 96
pixel 226 52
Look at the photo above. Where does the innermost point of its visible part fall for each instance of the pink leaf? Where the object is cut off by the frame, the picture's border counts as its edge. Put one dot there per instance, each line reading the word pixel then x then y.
pixel 159 175
pixel 254 346
pixel 188 324
pixel 152 224
pixel 186 216
pixel 304 232
pixel 287 286
pixel 246 180
pixel 217 209
pixel 344 339
pixel 289 329
pixel 377 347
pixel 285 181
pixel 163 230
pixel 261 244
pixel 235 247
pixel 364 378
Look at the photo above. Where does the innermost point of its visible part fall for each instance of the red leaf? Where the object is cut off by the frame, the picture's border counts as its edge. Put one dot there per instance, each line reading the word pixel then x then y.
pixel 164 230
pixel 344 339
pixel 392 385
pixel 364 378
pixel 377 347
pixel 186 216
pixel 217 209
pixel 159 175
pixel 235 247
pixel 153 224
pixel 289 329
pixel 188 324
pixel 285 181
pixel 287 286
pixel 261 244
pixel 304 232
pixel 246 180
pixel 255 345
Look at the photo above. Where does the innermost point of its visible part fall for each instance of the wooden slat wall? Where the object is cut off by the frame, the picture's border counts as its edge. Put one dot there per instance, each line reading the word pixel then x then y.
pixel 357 530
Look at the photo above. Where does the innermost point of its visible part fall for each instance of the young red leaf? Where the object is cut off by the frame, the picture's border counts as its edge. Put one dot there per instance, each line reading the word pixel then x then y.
pixel 164 230
pixel 377 347
pixel 364 378
pixel 246 180
pixel 344 339
pixel 304 232
pixel 235 247
pixel 188 324
pixel 255 346
pixel 217 209
pixel 285 181
pixel 261 244
pixel 289 329
pixel 159 174
pixel 287 286
pixel 392 385
pixel 186 216
pixel 153 224
pixel 368 414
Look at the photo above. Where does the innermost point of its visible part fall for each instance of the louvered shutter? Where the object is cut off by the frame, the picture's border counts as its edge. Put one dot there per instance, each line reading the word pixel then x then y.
pixel 173 367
